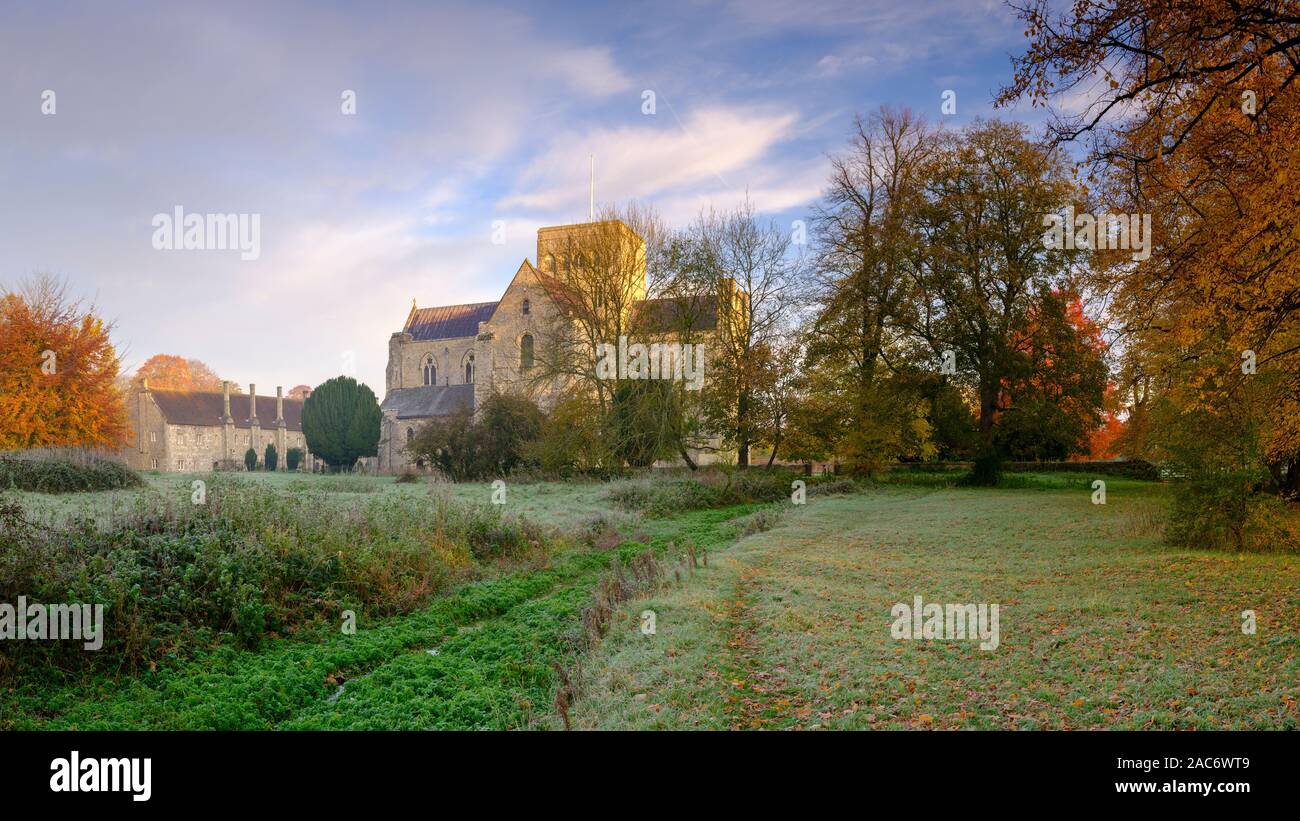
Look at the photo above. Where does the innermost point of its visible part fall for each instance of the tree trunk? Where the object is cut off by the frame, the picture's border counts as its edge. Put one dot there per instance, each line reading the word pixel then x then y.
pixel 776 444
pixel 1291 485
pixel 742 430
pixel 988 405
pixel 686 457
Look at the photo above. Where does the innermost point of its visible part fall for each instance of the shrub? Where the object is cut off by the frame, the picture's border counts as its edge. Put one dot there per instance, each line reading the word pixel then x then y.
pixel 62 476
pixel 573 442
pixel 663 496
pixel 251 562
pixel 271 459
pixel 493 444
pixel 757 522
pixel 293 458
pixel 250 460
pixel 604 531
pixel 833 487
pixel 1228 511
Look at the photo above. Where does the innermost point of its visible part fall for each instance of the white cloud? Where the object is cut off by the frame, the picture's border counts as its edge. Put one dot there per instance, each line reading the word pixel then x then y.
pixel 716 147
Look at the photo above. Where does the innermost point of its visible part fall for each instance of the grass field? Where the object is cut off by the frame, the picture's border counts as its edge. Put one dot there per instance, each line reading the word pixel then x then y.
pixel 1101 625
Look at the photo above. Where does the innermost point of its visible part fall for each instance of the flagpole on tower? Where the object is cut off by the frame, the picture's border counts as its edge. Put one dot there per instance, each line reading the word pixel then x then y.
pixel 591 200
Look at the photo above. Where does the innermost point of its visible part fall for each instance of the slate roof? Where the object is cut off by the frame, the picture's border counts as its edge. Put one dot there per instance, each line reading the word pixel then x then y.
pixel 448 321
pixel 429 400
pixel 205 408
pixel 663 315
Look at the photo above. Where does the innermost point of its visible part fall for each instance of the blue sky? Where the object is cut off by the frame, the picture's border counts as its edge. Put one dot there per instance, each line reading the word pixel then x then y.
pixel 467 113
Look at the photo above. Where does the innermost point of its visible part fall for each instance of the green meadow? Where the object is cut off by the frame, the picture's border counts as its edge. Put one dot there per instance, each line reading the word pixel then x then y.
pixel 783 621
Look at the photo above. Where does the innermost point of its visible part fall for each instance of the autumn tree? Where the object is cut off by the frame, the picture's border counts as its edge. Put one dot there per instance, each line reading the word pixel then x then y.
pixel 1196 121
pixel 983 265
pixel 594 279
pixel 755 274
pixel 58 370
pixel 490 444
pixel 1053 398
pixel 860 358
pixel 176 373
pixel 683 309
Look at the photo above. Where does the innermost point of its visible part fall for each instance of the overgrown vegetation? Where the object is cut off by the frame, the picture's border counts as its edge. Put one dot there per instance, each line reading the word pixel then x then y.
pixel 65 476
pixel 664 496
pixel 248 564
pixel 481 657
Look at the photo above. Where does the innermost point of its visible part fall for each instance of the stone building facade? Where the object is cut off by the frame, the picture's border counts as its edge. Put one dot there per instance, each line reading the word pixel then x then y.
pixel 454 357
pixel 198 431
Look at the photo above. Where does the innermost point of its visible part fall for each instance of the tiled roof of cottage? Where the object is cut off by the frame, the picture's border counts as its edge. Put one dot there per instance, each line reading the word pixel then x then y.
pixel 448 321
pixel 429 400
pixel 205 408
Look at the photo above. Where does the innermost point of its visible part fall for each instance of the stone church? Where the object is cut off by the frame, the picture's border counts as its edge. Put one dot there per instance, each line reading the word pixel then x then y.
pixel 454 357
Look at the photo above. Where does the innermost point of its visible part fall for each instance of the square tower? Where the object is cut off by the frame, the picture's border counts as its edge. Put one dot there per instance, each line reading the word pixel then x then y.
pixel 608 246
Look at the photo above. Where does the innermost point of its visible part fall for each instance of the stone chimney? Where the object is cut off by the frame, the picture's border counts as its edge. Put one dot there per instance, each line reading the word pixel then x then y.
pixel 227 423
pixel 281 431
pixel 252 403
pixel 142 411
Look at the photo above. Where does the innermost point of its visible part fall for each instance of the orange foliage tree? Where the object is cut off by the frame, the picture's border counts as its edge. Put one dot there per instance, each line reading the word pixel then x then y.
pixel 58 372
pixel 176 373
pixel 1051 399
pixel 1192 116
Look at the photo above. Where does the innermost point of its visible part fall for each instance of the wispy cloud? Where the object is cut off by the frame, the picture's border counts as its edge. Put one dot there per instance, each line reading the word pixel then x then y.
pixel 466 113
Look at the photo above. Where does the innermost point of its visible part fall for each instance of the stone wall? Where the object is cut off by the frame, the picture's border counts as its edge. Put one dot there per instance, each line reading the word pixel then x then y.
pixel 159 445
pixel 406 359
pixel 149 448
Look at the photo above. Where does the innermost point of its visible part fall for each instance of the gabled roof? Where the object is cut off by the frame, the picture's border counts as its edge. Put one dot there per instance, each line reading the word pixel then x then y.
pixel 429 400
pixel 667 314
pixel 448 321
pixel 205 408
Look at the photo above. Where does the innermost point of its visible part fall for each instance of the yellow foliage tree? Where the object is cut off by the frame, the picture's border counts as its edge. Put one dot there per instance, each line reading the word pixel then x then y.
pixel 1197 123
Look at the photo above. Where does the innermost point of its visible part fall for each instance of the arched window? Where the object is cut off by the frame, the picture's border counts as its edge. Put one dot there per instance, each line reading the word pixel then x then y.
pixel 410 435
pixel 526 352
pixel 527 307
pixel 550 264
pixel 430 371
pixel 469 369
pixel 568 267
